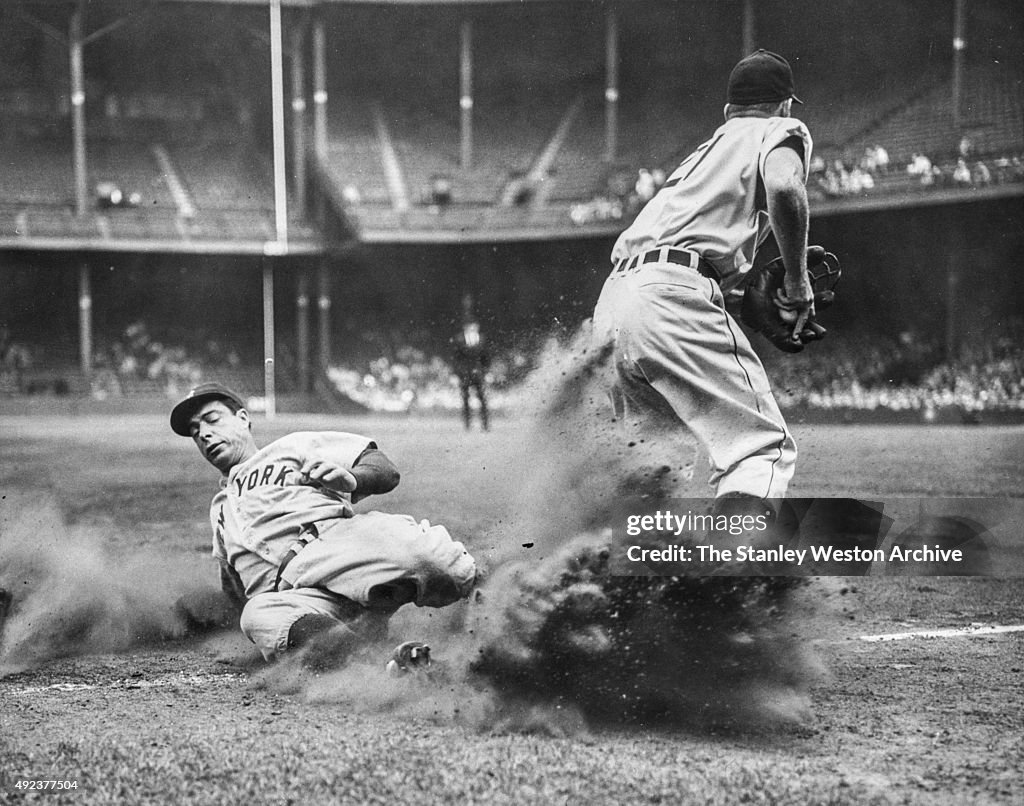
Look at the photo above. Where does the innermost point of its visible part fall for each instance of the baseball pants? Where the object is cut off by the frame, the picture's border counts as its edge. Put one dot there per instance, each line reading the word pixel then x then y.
pixel 474 382
pixel 681 359
pixel 360 561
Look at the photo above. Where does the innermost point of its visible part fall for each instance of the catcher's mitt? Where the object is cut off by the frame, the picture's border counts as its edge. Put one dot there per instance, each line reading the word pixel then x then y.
pixel 760 311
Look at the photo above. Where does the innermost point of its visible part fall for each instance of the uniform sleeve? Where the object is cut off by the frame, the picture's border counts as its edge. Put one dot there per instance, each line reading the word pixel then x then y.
pixel 338 446
pixel 778 131
pixel 217 528
pixel 232 586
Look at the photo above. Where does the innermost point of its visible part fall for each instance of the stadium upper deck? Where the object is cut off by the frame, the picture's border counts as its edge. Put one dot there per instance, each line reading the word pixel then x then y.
pixel 450 122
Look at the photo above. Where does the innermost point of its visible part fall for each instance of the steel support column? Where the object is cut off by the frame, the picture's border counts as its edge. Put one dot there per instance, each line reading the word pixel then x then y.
pixel 299 124
pixel 76 47
pixel 611 92
pixel 85 318
pixel 466 92
pixel 302 328
pixel 323 304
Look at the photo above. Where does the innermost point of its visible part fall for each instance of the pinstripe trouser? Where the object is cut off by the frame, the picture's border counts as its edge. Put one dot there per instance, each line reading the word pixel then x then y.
pixel 682 360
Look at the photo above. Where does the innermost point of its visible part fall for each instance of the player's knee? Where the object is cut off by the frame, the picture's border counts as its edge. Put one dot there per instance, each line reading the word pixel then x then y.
pixel 253 615
pixel 265 621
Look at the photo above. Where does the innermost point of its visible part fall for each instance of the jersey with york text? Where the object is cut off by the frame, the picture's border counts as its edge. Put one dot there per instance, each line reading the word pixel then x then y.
pixel 714 202
pixel 263 505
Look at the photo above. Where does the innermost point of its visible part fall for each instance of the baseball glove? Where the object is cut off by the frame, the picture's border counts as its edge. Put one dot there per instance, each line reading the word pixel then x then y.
pixel 761 312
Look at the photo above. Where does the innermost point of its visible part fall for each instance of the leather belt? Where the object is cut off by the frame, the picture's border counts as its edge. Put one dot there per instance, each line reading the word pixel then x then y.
pixel 307 534
pixel 667 254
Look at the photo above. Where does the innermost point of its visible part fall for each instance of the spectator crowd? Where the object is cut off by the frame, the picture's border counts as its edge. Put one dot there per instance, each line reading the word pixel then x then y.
pixel 908 373
pixel 855 373
pixel 831 177
pixel 839 177
pixel 858 372
pixel 136 361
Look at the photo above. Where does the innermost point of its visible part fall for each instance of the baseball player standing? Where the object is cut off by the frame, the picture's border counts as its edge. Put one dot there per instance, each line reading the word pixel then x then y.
pixel 679 354
pixel 304 569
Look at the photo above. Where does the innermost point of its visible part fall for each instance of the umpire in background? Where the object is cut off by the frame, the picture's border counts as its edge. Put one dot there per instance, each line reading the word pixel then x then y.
pixel 471 360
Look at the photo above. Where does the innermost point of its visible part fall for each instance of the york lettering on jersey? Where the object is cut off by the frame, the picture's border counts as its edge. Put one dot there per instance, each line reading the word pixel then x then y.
pixel 273 473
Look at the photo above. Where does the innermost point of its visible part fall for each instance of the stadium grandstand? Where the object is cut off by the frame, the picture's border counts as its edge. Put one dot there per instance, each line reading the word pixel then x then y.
pixel 171 168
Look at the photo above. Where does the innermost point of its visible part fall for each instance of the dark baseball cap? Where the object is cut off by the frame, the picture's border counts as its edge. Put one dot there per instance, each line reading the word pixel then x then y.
pixel 762 77
pixel 183 411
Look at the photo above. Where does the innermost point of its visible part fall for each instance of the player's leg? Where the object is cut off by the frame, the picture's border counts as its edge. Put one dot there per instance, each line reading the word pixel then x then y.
pixel 695 356
pixel 290 621
pixel 382 561
pixel 481 395
pixel 466 410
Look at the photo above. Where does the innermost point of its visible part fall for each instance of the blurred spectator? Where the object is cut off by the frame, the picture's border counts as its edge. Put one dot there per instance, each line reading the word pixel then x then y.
pixel 645 186
pixel 15 359
pixel 440 192
pixel 965 148
pixel 921 167
pixel 881 160
pixel 1002 171
pixel 620 183
pixel 961 173
pixel 860 180
pixel 104 382
pixel 869 161
pixel 471 360
pixel 110 196
pixel 600 208
pixel 1016 169
pixel 981 175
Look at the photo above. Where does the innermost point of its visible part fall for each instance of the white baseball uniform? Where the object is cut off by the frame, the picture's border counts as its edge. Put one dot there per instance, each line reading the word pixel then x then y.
pixel 258 518
pixel 680 357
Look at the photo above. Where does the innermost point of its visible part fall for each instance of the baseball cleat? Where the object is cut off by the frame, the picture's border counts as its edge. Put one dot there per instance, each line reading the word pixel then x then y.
pixel 412 656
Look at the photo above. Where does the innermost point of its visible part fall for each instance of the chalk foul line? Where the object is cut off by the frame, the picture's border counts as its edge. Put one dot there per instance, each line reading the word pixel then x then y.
pixel 971 631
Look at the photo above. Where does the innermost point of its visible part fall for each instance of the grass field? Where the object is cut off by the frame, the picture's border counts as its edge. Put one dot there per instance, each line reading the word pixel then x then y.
pixel 104 523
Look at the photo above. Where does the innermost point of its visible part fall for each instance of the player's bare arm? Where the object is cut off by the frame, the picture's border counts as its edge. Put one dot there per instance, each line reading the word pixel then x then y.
pixel 788 213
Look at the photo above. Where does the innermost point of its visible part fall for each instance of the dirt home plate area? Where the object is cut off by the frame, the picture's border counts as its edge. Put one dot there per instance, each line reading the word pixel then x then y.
pixel 882 688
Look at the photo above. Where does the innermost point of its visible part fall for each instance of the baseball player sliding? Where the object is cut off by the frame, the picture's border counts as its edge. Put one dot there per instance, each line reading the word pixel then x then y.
pixel 679 354
pixel 305 570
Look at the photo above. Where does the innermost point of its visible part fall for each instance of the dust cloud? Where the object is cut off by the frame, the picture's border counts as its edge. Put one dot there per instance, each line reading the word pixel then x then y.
pixel 72 594
pixel 560 633
pixel 553 641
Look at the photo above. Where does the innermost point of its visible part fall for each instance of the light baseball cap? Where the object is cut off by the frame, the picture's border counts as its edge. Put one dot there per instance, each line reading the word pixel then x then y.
pixel 186 407
pixel 762 77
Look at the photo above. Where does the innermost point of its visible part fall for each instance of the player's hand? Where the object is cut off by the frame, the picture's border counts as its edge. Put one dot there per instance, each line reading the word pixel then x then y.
pixel 327 474
pixel 795 302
